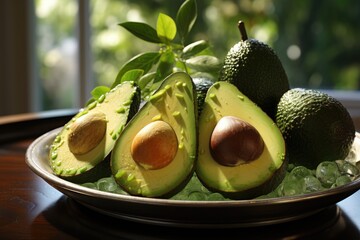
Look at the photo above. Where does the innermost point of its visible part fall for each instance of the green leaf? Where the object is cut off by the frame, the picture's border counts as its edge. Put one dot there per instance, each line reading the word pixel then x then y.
pixel 186 17
pixel 166 28
pixel 204 63
pixel 142 31
pixel 98 91
pixel 132 75
pixel 146 79
pixel 143 61
pixel 165 65
pixel 91 100
pixel 194 48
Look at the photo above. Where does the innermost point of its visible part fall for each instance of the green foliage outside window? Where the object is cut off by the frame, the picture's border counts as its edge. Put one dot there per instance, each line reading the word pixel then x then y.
pixel 317 41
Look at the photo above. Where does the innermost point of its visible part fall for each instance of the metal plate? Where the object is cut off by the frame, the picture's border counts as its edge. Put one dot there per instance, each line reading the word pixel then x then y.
pixel 192 214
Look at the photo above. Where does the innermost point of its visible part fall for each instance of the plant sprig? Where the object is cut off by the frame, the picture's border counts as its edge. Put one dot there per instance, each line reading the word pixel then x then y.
pixel 148 69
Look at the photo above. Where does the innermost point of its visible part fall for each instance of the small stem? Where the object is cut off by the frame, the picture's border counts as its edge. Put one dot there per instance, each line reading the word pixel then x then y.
pixel 241 27
pixel 181 62
pixel 184 66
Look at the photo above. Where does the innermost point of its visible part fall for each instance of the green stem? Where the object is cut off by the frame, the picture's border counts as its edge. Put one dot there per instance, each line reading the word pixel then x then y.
pixel 184 65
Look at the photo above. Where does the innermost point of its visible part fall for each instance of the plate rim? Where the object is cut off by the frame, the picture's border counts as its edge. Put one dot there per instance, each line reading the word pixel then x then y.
pixel 73 187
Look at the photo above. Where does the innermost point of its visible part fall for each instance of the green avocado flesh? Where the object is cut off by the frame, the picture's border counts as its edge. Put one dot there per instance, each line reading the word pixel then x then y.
pixel 109 113
pixel 175 104
pixel 249 179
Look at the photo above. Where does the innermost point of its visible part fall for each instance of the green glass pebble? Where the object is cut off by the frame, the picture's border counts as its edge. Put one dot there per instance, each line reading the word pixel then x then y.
pixel 311 184
pixel 327 172
pixel 106 184
pixel 197 196
pixel 342 180
pixel 300 172
pixel 291 188
pixel 349 169
pixel 215 197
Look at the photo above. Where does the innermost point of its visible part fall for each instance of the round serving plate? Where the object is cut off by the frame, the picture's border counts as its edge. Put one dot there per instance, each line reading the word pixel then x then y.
pixel 192 214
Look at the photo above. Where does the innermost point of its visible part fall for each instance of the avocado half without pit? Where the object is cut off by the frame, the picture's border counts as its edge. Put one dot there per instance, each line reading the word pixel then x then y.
pixel 241 152
pixel 155 154
pixel 79 152
pixel 234 142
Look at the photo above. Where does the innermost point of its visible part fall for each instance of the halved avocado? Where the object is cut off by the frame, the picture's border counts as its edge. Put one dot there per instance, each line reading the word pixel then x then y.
pixel 156 151
pixel 79 151
pixel 241 150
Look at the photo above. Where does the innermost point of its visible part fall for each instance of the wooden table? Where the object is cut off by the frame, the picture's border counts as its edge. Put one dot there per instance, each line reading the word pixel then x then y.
pixel 32 209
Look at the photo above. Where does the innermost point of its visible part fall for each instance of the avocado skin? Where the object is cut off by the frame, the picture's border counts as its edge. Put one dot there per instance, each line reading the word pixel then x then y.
pixel 316 127
pixel 135 104
pixel 202 84
pixel 255 69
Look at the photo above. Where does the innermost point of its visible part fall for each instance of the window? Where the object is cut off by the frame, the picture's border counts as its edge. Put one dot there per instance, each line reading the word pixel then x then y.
pixel 80 45
pixel 57 52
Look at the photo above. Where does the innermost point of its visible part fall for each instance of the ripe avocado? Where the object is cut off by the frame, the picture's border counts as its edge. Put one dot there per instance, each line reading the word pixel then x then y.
pixel 79 152
pixel 202 84
pixel 156 151
pixel 316 127
pixel 252 160
pixel 255 69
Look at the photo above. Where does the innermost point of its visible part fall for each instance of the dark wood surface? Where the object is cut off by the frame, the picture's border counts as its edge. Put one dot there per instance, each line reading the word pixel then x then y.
pixel 32 209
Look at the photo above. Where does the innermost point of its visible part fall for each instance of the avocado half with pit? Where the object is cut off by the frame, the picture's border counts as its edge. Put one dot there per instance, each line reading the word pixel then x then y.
pixel 156 152
pixel 79 152
pixel 241 150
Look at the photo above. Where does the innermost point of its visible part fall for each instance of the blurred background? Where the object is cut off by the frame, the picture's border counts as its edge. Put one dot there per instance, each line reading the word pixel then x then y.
pixel 53 52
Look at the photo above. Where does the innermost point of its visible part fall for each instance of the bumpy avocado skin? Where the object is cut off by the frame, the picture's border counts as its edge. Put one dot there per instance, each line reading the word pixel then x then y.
pixel 315 126
pixel 255 69
pixel 244 181
pixel 202 84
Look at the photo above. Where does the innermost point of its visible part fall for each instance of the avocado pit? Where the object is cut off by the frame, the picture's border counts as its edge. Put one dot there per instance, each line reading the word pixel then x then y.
pixel 234 142
pixel 155 145
pixel 86 132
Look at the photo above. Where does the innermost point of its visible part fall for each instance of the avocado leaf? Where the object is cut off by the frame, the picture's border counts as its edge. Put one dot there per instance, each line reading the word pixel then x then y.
pixel 194 48
pixel 143 61
pixel 132 75
pixel 98 91
pixel 186 17
pixel 165 28
pixel 204 63
pixel 142 31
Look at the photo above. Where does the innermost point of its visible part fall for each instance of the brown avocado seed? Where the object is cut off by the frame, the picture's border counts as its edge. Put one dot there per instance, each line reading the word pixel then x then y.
pixel 155 145
pixel 87 132
pixel 234 142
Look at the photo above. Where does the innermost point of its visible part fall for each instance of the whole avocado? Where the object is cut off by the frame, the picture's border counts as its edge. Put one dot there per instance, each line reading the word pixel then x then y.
pixel 255 69
pixel 316 127
pixel 202 84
